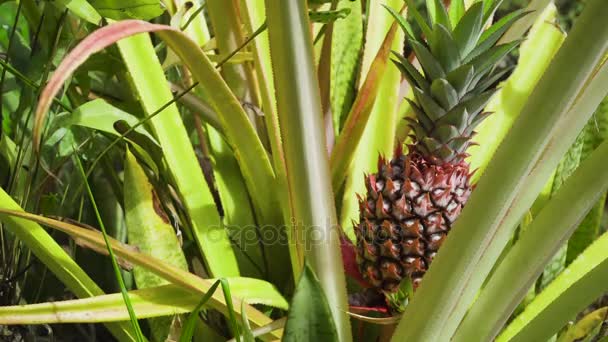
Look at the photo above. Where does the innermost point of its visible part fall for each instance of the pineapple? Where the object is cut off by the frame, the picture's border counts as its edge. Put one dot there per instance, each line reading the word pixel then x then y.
pixel 414 199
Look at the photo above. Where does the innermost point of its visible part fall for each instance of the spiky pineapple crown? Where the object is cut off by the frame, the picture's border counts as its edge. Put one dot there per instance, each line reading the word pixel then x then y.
pixel 458 59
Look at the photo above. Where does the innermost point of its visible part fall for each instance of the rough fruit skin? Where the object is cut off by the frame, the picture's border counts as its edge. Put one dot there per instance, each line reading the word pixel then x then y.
pixel 406 215
pixel 413 200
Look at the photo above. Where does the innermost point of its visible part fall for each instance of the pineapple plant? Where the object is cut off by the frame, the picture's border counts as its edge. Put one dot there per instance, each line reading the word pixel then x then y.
pixel 415 197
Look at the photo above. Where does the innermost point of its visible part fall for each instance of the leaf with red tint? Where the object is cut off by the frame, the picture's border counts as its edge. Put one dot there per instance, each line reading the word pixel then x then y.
pixel 95 42
pixel 349 259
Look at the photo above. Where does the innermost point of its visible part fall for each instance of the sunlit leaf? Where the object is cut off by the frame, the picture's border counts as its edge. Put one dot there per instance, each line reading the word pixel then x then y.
pixel 44 247
pixel 346 144
pixel 128 9
pixel 149 229
pixel 157 301
pixel 581 283
pixel 176 276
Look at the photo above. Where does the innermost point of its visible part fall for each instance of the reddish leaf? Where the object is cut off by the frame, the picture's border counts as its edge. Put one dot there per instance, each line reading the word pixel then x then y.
pixel 95 42
pixel 349 259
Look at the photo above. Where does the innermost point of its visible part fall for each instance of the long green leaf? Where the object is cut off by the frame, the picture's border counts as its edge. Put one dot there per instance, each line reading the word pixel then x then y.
pixel 300 115
pixel 581 283
pixel 587 232
pixel 377 136
pixel 238 213
pixel 541 240
pixel 477 239
pixel 176 276
pixel 570 161
pixel 345 52
pixel 164 300
pixel 510 99
pixel 128 9
pixel 535 7
pixel 253 14
pixel 228 34
pixel 102 116
pixel 150 83
pixel 82 9
pixel 150 231
pixel 134 323
pixel 249 152
pixel 190 324
pixel 44 247
pixel 358 117
pixel 251 155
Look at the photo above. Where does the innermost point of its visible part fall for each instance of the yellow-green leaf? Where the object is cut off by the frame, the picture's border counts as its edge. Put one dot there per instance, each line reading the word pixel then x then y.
pixel 163 300
pixel 149 229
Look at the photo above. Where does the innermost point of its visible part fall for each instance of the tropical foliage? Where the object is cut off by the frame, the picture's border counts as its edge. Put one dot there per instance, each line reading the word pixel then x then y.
pixel 192 170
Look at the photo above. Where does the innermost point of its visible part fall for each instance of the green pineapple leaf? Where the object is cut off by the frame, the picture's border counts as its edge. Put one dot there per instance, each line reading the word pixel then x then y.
pixel 438 13
pixel 469 28
pixel 422 117
pixel 475 104
pixel 489 81
pixel 490 8
pixel 432 108
pixel 150 230
pixel 431 67
pixel 445 48
pixel 458 117
pixel 402 22
pixel 345 54
pixel 484 62
pixel 461 78
pixel 444 93
pixel 409 71
pixel 446 133
pixel 456 11
pixel 422 23
pixel 496 31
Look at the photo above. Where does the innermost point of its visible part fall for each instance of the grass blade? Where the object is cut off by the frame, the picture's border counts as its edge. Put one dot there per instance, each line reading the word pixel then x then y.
pixel 190 324
pixel 138 334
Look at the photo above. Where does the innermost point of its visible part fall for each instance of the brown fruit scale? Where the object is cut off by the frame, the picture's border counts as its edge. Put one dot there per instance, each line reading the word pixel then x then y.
pixel 410 206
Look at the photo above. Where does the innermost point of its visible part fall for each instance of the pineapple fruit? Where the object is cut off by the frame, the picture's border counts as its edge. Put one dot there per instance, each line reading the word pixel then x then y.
pixel 414 198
